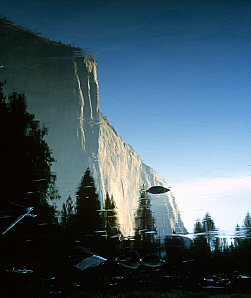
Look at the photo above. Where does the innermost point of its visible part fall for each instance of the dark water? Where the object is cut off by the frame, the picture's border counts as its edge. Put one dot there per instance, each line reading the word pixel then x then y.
pixel 58 236
pixel 67 254
pixel 53 261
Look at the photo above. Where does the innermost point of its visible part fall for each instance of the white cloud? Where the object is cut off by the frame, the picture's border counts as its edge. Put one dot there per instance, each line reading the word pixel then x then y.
pixel 227 200
pixel 213 187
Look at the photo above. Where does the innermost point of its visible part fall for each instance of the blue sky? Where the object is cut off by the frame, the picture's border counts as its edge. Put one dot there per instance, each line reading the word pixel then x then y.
pixel 174 82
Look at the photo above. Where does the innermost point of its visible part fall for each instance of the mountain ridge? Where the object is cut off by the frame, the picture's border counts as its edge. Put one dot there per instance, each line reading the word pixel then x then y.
pixel 63 92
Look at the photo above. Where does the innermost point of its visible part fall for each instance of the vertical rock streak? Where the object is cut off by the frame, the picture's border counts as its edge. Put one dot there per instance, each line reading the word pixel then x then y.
pixel 63 93
pixel 82 104
pixel 119 171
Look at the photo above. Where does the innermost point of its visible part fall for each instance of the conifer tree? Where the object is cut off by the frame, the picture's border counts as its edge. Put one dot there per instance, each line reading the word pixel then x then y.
pixel 111 219
pixel 247 220
pixel 198 227
pixel 88 216
pixel 145 229
pixel 208 223
pixel 67 212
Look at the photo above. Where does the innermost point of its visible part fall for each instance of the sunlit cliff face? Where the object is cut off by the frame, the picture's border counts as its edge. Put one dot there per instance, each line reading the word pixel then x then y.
pixel 117 168
pixel 62 90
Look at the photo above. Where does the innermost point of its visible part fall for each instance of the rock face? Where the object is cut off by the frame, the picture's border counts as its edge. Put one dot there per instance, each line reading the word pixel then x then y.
pixel 61 87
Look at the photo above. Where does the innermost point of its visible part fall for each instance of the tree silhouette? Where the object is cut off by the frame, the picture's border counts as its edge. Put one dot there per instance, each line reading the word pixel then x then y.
pixel 25 156
pixel 208 223
pixel 88 218
pixel 111 219
pixel 243 233
pixel 242 247
pixel 247 221
pixel 145 230
pixel 203 244
pixel 67 212
pixel 198 227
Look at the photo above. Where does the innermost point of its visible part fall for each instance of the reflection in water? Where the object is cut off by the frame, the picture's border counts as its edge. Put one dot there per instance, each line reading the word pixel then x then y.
pixel 144 219
pixel 26 159
pixel 57 249
pixel 61 86
pixel 88 219
pixel 111 218
pixel 145 230
pixel 107 228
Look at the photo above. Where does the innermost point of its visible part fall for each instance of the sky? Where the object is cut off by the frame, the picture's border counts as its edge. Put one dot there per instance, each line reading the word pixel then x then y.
pixel 175 83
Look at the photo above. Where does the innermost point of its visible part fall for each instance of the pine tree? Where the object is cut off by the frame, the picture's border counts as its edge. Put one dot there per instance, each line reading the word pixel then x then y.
pixel 198 227
pixel 206 241
pixel 88 216
pixel 145 229
pixel 67 212
pixel 237 239
pixel 247 220
pixel 111 219
pixel 208 223
pixel 247 225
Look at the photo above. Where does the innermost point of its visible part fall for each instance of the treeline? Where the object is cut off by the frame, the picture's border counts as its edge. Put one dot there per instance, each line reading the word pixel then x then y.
pixel 46 243
pixel 84 218
pixel 25 159
pixel 27 180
